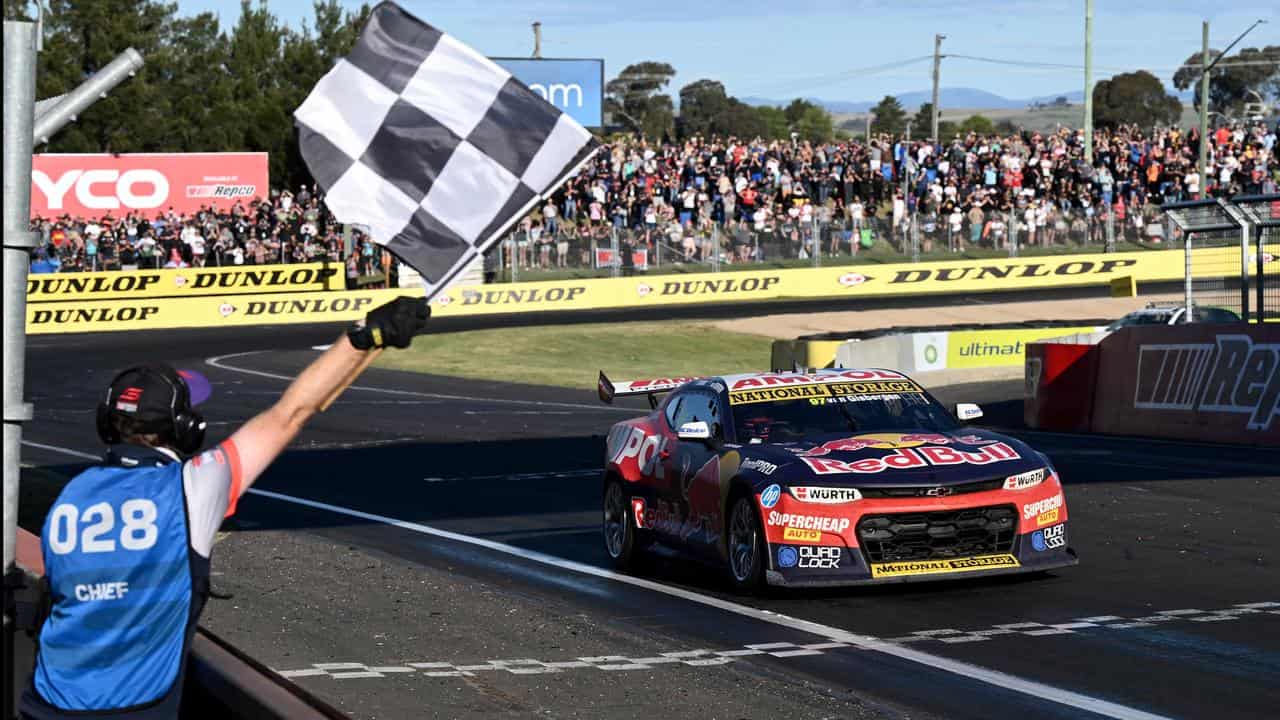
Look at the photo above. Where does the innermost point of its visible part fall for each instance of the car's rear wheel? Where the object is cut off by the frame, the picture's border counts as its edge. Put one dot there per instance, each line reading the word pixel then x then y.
pixel 746 545
pixel 620 540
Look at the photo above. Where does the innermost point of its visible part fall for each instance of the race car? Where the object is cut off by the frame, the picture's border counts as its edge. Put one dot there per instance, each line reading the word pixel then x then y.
pixel 832 477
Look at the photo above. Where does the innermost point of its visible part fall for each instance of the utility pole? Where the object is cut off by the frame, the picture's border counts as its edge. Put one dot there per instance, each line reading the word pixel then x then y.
pixel 937 63
pixel 537 40
pixel 1088 81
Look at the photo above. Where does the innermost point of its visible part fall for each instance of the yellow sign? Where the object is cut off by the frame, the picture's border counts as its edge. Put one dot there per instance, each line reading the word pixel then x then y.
pixel 994 348
pixel 148 314
pixel 185 282
pixel 801 535
pixel 201 299
pixel 935 567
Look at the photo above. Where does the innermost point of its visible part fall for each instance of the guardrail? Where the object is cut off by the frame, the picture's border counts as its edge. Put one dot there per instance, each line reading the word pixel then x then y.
pixel 835 283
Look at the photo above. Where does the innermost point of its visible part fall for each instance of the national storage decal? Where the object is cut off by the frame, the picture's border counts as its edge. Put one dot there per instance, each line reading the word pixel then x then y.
pixel 184 282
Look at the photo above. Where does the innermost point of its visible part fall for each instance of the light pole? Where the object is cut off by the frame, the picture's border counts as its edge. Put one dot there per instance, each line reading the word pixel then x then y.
pixel 937 68
pixel 1206 66
pixel 1088 81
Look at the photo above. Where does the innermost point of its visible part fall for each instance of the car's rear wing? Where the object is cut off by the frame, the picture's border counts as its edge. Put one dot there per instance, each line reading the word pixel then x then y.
pixel 653 388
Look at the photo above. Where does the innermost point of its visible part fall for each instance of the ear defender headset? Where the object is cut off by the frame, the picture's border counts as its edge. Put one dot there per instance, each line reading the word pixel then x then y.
pixel 187 426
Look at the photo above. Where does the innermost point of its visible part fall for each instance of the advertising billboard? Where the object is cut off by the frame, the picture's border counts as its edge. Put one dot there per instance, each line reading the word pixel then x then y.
pixel 574 86
pixel 92 185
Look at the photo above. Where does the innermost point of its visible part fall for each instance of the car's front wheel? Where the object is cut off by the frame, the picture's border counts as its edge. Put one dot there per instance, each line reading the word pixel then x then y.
pixel 746 545
pixel 620 540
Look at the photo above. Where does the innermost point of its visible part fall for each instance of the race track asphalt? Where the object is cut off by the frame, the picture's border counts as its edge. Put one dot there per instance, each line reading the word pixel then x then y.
pixel 454 567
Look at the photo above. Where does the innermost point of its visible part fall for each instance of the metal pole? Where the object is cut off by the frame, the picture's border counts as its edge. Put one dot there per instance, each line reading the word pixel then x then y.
pixel 616 265
pixel 1088 81
pixel 1246 234
pixel 537 40
pixel 1258 311
pixel 1203 165
pixel 124 66
pixel 1186 272
pixel 19 115
pixel 937 66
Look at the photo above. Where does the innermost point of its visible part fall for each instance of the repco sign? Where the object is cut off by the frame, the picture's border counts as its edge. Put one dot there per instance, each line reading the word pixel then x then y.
pixel 148 184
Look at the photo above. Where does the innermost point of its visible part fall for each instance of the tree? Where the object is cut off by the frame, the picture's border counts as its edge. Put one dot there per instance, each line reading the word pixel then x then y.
pixel 977 124
pixel 922 124
pixel 634 99
pixel 775 122
pixel 1136 97
pixel 808 120
pixel 703 104
pixel 1232 80
pixel 888 116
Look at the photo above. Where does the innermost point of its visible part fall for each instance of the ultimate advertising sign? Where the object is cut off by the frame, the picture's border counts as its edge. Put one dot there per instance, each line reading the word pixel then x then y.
pixel 575 87
pixel 149 184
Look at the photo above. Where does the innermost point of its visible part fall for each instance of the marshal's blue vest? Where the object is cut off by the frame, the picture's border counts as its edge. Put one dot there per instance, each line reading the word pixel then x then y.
pixel 126 587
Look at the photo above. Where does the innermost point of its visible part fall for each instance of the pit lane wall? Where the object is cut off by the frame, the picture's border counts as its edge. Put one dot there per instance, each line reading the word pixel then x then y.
pixel 1198 382
pixel 242 304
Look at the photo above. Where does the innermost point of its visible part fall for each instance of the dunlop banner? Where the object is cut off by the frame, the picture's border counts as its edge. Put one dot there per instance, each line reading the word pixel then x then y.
pixel 132 284
pixel 227 307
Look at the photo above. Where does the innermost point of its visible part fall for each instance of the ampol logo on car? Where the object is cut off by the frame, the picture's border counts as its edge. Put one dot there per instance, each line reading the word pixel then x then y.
pixel 770 496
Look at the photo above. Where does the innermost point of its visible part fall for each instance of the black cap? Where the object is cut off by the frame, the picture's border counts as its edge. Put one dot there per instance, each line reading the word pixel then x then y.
pixel 152 395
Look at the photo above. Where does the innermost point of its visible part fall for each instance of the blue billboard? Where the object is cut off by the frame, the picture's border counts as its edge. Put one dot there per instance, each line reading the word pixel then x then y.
pixel 574 86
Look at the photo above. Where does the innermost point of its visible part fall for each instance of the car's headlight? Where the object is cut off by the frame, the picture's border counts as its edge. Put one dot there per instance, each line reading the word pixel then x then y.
pixel 1025 480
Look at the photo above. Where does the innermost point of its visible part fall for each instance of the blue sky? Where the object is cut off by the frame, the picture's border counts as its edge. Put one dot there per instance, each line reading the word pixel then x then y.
pixel 807 47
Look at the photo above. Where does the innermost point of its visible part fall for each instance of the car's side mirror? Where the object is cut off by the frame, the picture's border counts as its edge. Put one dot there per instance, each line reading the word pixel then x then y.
pixel 967 411
pixel 696 430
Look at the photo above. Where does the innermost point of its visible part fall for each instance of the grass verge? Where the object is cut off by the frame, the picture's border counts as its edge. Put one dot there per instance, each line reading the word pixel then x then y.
pixel 572 355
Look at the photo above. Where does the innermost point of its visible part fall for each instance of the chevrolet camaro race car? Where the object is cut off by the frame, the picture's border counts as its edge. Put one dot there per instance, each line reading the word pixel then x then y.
pixel 835 477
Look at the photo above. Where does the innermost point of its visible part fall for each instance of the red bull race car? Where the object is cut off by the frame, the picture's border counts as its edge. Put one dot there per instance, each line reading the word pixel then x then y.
pixel 835 477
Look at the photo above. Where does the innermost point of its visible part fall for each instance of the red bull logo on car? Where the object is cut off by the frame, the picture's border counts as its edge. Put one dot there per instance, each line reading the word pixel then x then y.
pixel 889 441
pixel 910 458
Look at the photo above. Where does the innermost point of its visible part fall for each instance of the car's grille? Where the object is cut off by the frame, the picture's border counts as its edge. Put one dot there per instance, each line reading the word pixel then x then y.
pixel 934 535
pixel 932 490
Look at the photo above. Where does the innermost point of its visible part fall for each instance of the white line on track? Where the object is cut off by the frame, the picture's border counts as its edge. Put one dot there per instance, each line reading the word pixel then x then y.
pixel 219 363
pixel 957 667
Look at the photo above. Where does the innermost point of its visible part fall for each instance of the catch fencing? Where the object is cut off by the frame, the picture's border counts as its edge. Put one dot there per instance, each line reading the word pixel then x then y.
pixel 1232 252
pixel 609 249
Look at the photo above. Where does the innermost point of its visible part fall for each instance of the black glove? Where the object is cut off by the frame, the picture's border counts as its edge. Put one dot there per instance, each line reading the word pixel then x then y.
pixel 394 324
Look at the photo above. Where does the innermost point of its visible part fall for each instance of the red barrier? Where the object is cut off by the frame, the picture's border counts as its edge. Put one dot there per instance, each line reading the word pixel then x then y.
pixel 1211 383
pixel 1060 378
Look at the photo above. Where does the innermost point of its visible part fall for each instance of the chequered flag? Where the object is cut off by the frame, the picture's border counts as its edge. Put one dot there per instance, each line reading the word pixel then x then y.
pixel 431 145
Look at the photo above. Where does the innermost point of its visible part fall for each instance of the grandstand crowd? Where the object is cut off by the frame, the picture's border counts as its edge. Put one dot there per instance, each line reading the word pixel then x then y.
pixel 743 200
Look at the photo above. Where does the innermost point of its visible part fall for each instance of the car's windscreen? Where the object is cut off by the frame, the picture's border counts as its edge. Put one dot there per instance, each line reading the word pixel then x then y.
pixel 1141 319
pixel 791 413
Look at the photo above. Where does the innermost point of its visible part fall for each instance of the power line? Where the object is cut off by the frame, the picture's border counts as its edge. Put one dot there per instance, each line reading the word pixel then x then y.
pixel 815 80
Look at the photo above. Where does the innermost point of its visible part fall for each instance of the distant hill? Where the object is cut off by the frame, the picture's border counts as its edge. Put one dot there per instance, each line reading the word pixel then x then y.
pixel 948 98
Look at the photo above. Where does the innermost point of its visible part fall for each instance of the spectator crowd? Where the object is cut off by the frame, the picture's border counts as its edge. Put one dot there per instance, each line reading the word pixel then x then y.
pixel 737 200
pixel 284 228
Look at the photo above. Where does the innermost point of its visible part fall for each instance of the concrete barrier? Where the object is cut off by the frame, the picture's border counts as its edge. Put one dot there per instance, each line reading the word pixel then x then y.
pixel 1212 383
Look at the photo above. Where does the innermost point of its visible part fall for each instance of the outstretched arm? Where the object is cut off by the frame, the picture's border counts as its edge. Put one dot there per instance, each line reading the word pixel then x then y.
pixel 259 441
